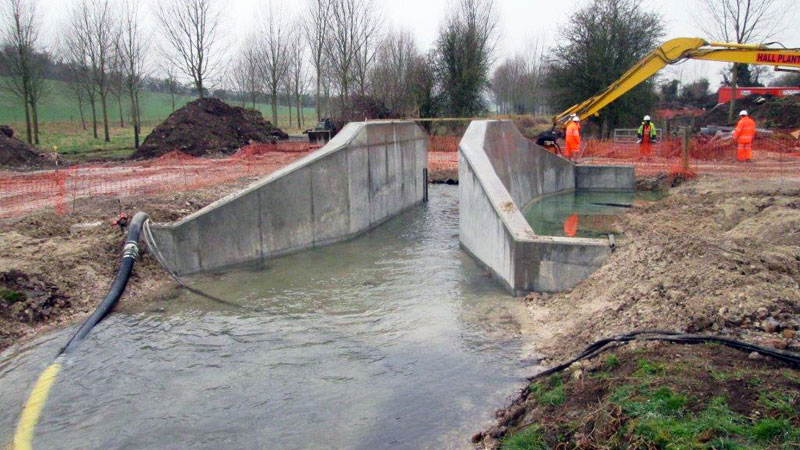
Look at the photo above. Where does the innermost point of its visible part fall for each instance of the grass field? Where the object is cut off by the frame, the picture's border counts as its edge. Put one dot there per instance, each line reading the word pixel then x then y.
pixel 60 123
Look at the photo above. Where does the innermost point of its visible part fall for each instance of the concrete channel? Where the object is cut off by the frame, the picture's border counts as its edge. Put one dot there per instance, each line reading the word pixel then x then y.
pixel 500 171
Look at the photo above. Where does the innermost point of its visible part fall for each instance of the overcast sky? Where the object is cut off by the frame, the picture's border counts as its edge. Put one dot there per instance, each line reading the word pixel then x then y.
pixel 521 21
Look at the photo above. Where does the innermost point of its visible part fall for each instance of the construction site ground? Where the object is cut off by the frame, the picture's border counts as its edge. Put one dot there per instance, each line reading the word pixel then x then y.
pixel 717 256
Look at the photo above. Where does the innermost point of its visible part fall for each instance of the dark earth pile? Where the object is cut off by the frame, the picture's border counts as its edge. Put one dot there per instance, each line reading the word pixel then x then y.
pixel 207 126
pixel 768 112
pixel 17 154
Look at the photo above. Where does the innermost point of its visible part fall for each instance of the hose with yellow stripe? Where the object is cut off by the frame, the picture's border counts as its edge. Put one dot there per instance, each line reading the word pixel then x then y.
pixel 23 437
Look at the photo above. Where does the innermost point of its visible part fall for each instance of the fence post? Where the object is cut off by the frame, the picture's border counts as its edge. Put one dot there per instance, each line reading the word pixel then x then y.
pixel 685 149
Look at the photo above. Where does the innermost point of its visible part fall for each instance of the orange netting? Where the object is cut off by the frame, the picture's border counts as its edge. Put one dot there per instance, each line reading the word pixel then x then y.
pixel 22 193
pixel 773 157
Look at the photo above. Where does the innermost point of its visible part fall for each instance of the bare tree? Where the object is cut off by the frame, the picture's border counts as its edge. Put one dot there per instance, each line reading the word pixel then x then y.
pixel 191 30
pixel 132 50
pixel 94 25
pixel 392 77
pixel 172 83
pixel 368 44
pixel 742 22
pixel 75 49
pixel 245 73
pixel 77 89
pixel 298 78
pixel 273 61
pixel 317 31
pixel 117 81
pixel 351 26
pixel 20 55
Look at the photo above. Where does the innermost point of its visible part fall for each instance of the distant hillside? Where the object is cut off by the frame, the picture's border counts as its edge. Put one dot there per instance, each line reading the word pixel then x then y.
pixel 59 105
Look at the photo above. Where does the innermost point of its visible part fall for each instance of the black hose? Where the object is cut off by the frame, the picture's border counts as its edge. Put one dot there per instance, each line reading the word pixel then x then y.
pixel 129 254
pixel 790 358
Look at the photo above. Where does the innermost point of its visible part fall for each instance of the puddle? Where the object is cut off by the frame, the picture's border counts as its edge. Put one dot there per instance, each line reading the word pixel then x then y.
pixel 396 339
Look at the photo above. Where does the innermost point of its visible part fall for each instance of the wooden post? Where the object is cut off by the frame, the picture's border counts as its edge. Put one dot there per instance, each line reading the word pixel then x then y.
pixel 685 149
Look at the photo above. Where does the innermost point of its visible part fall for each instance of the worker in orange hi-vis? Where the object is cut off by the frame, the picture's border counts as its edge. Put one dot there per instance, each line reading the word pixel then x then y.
pixel 573 137
pixel 744 134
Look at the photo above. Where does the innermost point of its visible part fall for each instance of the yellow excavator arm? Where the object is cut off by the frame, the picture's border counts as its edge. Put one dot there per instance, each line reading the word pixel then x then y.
pixel 677 50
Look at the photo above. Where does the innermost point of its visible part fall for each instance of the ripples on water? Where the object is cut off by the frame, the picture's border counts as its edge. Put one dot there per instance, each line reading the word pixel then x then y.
pixel 393 340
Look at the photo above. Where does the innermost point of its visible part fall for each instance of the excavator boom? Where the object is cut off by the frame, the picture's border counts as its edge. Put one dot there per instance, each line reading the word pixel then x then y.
pixel 677 50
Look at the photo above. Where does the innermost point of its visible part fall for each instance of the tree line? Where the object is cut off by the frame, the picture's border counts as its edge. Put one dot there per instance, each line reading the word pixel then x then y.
pixel 347 57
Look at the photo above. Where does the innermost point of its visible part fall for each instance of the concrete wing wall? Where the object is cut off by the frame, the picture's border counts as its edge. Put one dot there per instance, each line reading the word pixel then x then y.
pixel 527 170
pixel 499 171
pixel 368 173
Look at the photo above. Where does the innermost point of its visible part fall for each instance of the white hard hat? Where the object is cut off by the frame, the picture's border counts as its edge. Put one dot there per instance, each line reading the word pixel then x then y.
pixel 575 118
pixel 646 118
pixel 743 112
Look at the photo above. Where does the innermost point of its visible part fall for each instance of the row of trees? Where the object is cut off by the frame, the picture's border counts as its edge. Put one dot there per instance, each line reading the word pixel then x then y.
pixel 104 53
pixel 338 50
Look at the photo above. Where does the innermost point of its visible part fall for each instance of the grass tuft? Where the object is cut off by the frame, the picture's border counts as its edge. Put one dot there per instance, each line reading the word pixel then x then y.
pixel 529 439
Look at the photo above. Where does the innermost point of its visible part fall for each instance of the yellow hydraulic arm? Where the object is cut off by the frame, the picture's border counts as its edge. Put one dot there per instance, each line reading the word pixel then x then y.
pixel 677 50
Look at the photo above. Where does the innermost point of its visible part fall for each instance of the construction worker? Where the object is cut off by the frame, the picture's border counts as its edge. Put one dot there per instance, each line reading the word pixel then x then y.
pixel 573 137
pixel 646 134
pixel 744 134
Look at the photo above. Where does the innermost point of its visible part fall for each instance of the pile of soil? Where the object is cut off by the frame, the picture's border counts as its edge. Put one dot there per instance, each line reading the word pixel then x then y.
pixel 718 255
pixel 17 154
pixel 767 111
pixel 208 126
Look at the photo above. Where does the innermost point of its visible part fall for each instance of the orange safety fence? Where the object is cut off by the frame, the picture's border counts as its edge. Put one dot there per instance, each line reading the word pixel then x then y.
pixel 23 193
pixel 773 157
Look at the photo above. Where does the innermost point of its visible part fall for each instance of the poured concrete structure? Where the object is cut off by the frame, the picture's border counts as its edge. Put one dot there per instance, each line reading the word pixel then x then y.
pixel 365 175
pixel 499 172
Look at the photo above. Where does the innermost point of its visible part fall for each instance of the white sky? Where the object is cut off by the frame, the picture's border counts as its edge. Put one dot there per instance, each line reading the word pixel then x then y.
pixel 521 21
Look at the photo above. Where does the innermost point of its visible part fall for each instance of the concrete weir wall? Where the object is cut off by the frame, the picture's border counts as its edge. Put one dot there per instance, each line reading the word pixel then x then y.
pixel 365 175
pixel 500 171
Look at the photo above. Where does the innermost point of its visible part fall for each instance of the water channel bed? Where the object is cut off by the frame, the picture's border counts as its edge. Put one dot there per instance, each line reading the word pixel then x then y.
pixel 396 339
pixel 586 213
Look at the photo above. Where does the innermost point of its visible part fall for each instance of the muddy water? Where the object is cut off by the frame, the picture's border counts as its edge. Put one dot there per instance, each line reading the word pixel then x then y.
pixel 592 211
pixel 394 340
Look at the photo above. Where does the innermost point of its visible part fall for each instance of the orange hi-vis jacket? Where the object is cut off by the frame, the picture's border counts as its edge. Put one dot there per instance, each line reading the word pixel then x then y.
pixel 573 138
pixel 745 130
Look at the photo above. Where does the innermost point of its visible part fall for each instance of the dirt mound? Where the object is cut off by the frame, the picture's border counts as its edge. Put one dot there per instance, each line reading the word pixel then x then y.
pixel 207 126
pixel 717 256
pixel 768 112
pixel 17 154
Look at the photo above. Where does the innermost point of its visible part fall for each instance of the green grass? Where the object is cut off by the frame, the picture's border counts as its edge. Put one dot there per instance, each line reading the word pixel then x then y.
pixel 529 439
pixel 651 407
pixel 10 297
pixel 550 392
pixel 60 106
pixel 60 125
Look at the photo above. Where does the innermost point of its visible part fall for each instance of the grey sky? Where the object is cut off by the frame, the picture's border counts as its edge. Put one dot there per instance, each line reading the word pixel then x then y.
pixel 521 21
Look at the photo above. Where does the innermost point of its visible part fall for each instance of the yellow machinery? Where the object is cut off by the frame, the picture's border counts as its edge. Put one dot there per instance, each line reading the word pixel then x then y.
pixel 677 50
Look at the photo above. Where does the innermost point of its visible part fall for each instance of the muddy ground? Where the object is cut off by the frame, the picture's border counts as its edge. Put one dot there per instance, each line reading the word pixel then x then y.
pixel 55 269
pixel 718 255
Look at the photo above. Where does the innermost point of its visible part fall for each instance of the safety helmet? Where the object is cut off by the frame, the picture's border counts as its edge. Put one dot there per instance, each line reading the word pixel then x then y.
pixel 743 112
pixel 575 118
pixel 646 118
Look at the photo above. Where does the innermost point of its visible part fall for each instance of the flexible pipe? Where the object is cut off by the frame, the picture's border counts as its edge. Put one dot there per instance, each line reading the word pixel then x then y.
pixel 31 412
